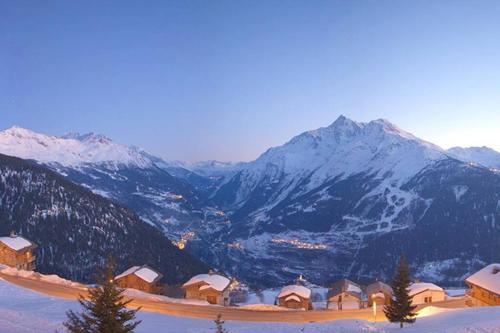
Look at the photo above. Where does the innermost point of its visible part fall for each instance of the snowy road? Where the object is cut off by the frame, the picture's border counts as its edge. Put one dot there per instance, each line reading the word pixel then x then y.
pixel 211 312
pixel 25 311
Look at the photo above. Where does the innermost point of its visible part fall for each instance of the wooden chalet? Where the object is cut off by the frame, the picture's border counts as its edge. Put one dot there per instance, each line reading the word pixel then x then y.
pixel 424 293
pixel 211 287
pixel 345 294
pixel 18 252
pixel 484 285
pixel 378 292
pixel 295 297
pixel 142 278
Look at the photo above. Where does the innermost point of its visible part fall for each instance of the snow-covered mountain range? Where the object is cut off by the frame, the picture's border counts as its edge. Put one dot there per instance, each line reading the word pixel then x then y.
pixel 123 173
pixel 340 201
pixel 341 150
pixel 481 155
pixel 347 199
pixel 70 150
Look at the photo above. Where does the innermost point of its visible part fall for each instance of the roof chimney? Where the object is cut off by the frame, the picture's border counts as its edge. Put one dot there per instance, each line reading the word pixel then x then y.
pixel 13 234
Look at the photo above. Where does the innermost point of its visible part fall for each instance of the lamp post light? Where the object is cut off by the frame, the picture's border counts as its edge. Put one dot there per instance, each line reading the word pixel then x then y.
pixel 374 303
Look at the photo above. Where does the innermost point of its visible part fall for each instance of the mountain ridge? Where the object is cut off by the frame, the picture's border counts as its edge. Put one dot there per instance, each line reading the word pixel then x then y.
pixel 75 229
pixel 322 204
pixel 328 196
pixel 126 174
pixel 485 156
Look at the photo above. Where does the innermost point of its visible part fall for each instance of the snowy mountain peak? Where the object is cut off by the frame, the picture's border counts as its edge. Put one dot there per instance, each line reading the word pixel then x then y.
pixel 344 130
pixel 484 156
pixel 344 122
pixel 72 149
pixel 346 140
pixel 389 128
pixel 343 149
pixel 19 131
pixel 88 137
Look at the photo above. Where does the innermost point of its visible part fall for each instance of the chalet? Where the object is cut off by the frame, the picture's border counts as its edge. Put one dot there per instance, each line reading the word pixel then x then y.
pixel 18 252
pixel 379 293
pixel 345 294
pixel 484 285
pixel 211 287
pixel 424 293
pixel 142 278
pixel 295 297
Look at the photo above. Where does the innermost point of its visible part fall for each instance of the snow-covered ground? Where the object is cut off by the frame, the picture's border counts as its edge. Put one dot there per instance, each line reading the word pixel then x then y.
pixel 55 279
pixel 23 311
pixel 137 294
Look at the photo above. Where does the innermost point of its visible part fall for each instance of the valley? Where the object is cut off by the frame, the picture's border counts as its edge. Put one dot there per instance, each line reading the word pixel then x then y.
pixel 340 201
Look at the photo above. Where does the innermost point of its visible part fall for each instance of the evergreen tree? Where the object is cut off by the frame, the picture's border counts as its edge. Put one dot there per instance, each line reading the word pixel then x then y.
pixel 104 311
pixel 400 310
pixel 219 324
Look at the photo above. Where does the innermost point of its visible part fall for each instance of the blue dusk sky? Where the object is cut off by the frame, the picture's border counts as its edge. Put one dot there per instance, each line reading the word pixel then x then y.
pixel 195 80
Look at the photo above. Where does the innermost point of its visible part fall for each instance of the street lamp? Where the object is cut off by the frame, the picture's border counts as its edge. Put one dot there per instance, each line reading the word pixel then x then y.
pixel 374 306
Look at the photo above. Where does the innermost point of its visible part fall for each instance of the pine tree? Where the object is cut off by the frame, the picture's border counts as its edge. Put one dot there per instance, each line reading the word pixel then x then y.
pixel 219 324
pixel 104 311
pixel 400 310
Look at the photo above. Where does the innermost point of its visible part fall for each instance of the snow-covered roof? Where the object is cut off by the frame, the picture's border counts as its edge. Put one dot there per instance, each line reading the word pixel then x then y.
pixel 418 287
pixel 487 278
pixel 295 289
pixel 345 285
pixel 213 281
pixel 292 298
pixel 147 274
pixel 378 286
pixel 353 288
pixel 144 272
pixel 16 243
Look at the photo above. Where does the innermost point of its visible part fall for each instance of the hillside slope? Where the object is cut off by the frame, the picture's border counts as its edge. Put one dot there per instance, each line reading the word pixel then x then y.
pixel 126 174
pixel 76 229
pixel 347 199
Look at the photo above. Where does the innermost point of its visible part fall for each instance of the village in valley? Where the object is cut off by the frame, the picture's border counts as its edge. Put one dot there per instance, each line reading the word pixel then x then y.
pixel 239 166
pixel 18 255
